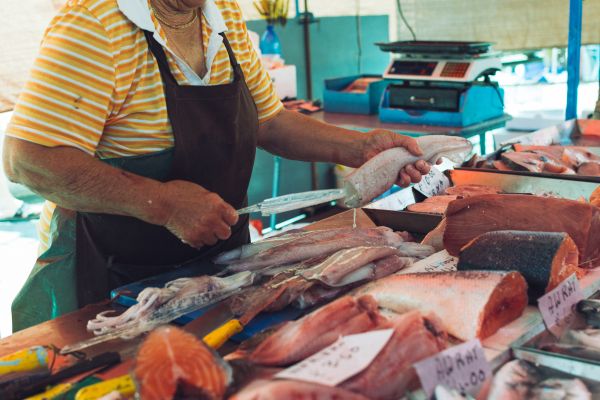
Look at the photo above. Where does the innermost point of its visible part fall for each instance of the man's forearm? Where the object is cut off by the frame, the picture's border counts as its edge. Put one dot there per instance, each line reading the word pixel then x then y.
pixel 299 137
pixel 77 181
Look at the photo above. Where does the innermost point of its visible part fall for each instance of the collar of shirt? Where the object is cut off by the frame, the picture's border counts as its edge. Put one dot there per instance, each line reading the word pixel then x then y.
pixel 139 12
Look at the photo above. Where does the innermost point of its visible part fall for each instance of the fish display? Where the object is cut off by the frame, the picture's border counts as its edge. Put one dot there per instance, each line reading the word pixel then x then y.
pixel 433 205
pixel 535 162
pixel 336 267
pixel 520 379
pixel 470 217
pixel 595 197
pixel 470 304
pixel 545 259
pixel 317 294
pixel 173 364
pixel 297 390
pixel 294 341
pixel 391 374
pixel 307 247
pixel 472 190
pixel 589 338
pixel 590 308
pixel 381 172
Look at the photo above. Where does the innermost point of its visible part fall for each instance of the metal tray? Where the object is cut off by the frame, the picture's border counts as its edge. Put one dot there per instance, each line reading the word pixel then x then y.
pixel 575 178
pixel 574 132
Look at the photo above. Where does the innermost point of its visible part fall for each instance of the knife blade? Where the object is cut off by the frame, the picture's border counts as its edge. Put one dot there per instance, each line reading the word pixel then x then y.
pixel 294 201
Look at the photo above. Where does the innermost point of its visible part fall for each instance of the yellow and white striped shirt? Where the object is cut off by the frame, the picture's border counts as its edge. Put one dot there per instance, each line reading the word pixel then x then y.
pixel 96 86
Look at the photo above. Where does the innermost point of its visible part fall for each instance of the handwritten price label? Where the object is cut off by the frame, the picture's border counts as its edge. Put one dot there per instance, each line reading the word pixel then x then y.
pixel 348 356
pixel 463 367
pixel 438 262
pixel 435 182
pixel 395 202
pixel 558 305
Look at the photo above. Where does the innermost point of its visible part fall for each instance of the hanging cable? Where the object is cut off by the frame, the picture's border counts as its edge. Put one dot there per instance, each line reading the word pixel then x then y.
pixel 399 6
pixel 358 37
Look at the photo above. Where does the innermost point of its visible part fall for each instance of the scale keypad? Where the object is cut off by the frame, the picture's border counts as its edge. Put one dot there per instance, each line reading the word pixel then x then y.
pixel 454 70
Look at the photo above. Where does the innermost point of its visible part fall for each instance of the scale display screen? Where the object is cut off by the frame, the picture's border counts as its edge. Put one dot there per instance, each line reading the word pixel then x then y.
pixel 418 68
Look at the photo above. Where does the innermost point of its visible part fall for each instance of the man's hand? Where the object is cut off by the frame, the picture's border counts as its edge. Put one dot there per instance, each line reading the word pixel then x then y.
pixel 379 140
pixel 195 215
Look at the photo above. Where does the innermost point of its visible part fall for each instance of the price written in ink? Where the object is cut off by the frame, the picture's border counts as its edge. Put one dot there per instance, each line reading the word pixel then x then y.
pixel 463 367
pixel 394 202
pixel 437 262
pixel 558 305
pixel 435 182
pixel 348 356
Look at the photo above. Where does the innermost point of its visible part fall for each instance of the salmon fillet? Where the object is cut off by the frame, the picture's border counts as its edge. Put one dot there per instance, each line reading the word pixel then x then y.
pixel 472 190
pixel 293 390
pixel 433 205
pixel 468 218
pixel 595 197
pixel 172 363
pixel 470 304
pixel 545 259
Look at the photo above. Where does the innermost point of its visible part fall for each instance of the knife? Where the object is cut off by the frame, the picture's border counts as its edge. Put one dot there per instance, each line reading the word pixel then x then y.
pixel 294 201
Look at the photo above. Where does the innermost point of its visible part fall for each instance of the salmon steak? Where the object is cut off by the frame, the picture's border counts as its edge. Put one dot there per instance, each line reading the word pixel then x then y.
pixel 470 304
pixel 294 341
pixel 470 217
pixel 172 364
pixel 545 259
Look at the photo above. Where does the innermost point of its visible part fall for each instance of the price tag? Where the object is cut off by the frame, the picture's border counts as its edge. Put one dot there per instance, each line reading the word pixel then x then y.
pixel 435 182
pixel 438 262
pixel 395 202
pixel 558 305
pixel 348 356
pixel 463 367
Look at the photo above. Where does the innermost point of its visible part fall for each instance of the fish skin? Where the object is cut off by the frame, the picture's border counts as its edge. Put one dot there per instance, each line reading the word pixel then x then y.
pixel 308 247
pixel 561 389
pixel 293 390
pixel 470 217
pixel 466 302
pixel 589 338
pixel 514 381
pixel 338 265
pixel 391 375
pixel 169 356
pixel 380 172
pixel 297 340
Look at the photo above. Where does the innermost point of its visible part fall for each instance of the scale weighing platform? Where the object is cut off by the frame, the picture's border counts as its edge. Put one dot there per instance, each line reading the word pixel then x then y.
pixel 441 83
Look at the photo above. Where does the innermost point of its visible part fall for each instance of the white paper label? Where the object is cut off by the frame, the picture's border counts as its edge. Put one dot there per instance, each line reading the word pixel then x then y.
pixel 438 262
pixel 463 367
pixel 395 201
pixel 435 182
pixel 348 356
pixel 558 305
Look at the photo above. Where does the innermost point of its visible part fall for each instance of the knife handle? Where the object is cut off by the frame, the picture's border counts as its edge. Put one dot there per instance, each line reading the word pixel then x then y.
pixel 123 384
pixel 219 336
pixel 53 392
pixel 25 360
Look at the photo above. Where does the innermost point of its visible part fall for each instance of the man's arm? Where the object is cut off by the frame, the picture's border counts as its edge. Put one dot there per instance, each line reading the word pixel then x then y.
pixel 75 180
pixel 299 137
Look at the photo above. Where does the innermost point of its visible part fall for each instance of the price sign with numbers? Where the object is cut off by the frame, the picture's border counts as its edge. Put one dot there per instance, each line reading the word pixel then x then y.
pixel 395 201
pixel 463 367
pixel 348 356
pixel 435 182
pixel 437 262
pixel 558 305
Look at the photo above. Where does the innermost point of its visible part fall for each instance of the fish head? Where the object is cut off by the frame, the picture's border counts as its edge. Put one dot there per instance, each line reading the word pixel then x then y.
pixel 454 148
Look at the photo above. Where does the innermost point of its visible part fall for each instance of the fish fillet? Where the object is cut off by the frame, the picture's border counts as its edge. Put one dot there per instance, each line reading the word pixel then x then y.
pixel 172 364
pixel 470 304
pixel 293 390
pixel 595 197
pixel 250 249
pixel 433 205
pixel 296 340
pixel 468 218
pixel 308 247
pixel 391 375
pixel 544 259
pixel 381 172
pixel 338 265
pixel 589 169
pixel 472 190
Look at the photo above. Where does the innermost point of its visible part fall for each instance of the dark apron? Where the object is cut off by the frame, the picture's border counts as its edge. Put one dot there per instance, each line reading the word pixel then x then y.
pixel 214 129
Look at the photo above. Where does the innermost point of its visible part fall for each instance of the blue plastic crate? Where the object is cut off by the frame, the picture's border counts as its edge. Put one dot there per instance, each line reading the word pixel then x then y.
pixel 334 100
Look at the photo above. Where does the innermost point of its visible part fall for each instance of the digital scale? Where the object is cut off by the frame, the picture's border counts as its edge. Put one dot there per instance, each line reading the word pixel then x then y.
pixel 441 83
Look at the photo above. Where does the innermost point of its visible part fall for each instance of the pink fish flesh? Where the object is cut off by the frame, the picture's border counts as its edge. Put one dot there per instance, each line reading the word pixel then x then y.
pixel 306 247
pixel 293 390
pixel 250 249
pixel 340 264
pixel 296 340
pixel 379 173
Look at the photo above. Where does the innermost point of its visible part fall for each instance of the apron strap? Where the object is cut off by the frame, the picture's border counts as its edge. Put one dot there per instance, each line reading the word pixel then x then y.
pixel 237 69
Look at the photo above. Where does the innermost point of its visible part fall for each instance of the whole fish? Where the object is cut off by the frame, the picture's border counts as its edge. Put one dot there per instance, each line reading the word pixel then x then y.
pixel 561 389
pixel 470 304
pixel 514 381
pixel 589 338
pixel 297 340
pixel 381 172
pixel 307 247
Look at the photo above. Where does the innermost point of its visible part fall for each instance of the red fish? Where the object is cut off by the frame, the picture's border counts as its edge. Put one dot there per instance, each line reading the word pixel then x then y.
pixel 172 363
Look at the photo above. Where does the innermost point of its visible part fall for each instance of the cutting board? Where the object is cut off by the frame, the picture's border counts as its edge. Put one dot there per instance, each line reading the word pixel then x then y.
pixel 126 295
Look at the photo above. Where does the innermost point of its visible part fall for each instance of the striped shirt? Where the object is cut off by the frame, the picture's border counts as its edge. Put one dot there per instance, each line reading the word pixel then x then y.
pixel 96 86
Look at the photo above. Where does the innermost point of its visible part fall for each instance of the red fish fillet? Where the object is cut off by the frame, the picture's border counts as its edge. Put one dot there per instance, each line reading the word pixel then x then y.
pixel 293 390
pixel 468 218
pixel 544 258
pixel 595 197
pixel 391 375
pixel 171 361
pixel 589 169
pixel 296 340
pixel 470 304
pixel 472 190
pixel 433 205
